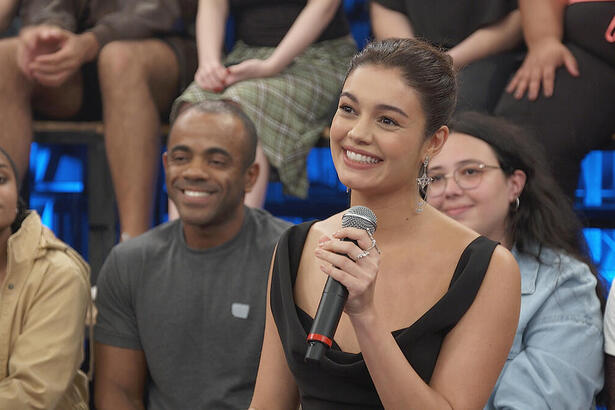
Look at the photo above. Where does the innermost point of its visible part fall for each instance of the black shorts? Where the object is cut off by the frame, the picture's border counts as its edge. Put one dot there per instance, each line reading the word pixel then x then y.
pixel 185 52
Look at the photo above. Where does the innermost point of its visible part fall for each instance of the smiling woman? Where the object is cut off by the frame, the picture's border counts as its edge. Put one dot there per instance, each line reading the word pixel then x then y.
pixel 429 301
pixel 45 293
pixel 514 200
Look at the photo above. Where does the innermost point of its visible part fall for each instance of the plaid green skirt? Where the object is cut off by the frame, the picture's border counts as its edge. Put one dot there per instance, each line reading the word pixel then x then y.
pixel 291 109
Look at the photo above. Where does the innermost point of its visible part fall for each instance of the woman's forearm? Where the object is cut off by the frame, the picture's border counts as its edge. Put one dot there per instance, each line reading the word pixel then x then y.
pixel 397 383
pixel 387 23
pixel 306 29
pixel 501 36
pixel 210 27
pixel 542 19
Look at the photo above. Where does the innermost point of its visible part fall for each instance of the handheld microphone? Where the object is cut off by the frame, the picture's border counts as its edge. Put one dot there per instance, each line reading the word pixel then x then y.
pixel 334 294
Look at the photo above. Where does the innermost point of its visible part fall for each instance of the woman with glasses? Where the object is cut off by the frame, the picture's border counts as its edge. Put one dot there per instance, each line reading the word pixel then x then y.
pixel 492 178
pixel 430 302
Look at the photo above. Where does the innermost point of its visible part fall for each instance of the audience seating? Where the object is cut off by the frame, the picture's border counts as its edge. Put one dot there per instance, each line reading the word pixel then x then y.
pixel 97 181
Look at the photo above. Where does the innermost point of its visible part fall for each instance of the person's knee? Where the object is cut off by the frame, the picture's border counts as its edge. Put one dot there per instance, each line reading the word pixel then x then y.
pixel 9 69
pixel 119 61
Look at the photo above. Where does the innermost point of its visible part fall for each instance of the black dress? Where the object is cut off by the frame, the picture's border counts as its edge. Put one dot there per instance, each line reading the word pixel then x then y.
pixel 342 380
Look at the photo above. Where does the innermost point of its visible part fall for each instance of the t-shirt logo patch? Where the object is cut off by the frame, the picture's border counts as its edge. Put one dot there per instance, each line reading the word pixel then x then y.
pixel 240 310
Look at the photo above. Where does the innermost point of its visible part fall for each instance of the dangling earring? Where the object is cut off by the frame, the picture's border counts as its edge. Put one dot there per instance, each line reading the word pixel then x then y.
pixel 423 183
pixel 516 205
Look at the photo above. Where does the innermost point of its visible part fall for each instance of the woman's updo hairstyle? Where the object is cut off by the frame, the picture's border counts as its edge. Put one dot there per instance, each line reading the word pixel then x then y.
pixel 425 68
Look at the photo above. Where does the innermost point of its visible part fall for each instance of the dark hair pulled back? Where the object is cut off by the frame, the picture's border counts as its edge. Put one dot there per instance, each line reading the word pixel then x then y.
pixel 426 69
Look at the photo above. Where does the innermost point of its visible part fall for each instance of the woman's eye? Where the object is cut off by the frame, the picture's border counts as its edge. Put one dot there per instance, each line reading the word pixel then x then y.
pixel 346 108
pixel 388 121
pixel 470 171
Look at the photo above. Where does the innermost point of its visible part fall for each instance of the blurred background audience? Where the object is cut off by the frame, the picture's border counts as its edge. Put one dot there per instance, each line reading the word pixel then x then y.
pixel 285 69
pixel 84 60
pixel 563 91
pixel 483 37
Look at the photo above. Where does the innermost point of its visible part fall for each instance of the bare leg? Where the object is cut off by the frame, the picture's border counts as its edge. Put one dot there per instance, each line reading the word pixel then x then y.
pixel 15 111
pixel 18 95
pixel 256 197
pixel 139 80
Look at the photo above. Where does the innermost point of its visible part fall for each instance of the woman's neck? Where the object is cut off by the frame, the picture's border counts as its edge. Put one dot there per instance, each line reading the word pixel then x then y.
pixel 393 211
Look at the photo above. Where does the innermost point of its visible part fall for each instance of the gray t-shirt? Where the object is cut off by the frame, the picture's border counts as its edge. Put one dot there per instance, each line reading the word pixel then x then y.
pixel 198 315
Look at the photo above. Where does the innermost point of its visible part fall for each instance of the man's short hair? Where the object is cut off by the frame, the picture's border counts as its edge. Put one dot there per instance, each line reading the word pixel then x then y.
pixel 226 106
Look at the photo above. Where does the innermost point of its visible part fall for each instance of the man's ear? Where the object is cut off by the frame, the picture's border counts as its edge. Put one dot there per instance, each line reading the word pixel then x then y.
pixel 436 141
pixel 165 161
pixel 516 183
pixel 251 175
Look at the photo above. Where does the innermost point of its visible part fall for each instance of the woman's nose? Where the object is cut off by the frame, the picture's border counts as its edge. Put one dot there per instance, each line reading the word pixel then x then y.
pixel 451 188
pixel 361 132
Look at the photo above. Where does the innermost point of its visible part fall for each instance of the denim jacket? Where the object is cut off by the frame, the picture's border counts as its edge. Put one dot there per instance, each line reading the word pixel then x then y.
pixel 556 360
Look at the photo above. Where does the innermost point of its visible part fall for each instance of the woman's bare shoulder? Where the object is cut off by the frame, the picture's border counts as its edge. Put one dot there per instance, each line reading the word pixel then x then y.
pixel 503 260
pixel 447 229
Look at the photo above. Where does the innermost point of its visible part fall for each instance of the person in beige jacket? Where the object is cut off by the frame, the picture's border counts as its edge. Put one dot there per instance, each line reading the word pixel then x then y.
pixel 44 297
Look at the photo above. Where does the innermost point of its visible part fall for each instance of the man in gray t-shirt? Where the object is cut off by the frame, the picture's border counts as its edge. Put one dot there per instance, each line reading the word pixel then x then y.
pixel 181 309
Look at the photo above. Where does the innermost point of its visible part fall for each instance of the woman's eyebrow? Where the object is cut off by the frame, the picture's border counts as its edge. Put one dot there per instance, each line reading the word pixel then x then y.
pixel 386 107
pixel 381 107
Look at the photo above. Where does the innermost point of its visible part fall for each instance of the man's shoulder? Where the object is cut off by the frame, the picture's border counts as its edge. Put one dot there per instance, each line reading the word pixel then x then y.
pixel 152 242
pixel 129 260
pixel 157 236
pixel 266 223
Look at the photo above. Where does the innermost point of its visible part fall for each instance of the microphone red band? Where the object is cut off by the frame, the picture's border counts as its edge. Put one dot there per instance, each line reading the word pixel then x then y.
pixel 319 338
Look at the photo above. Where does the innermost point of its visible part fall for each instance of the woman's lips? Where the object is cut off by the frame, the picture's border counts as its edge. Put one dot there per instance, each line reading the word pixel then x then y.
pixel 456 210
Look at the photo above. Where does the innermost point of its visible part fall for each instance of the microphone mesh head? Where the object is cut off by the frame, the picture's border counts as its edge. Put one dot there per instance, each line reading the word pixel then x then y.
pixel 360 217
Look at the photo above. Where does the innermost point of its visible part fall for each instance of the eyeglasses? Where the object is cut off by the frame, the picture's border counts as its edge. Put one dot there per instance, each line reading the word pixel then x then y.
pixel 467 176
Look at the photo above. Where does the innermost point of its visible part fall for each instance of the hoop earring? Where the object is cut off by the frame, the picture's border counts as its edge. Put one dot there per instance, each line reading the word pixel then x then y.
pixel 423 183
pixel 517 204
